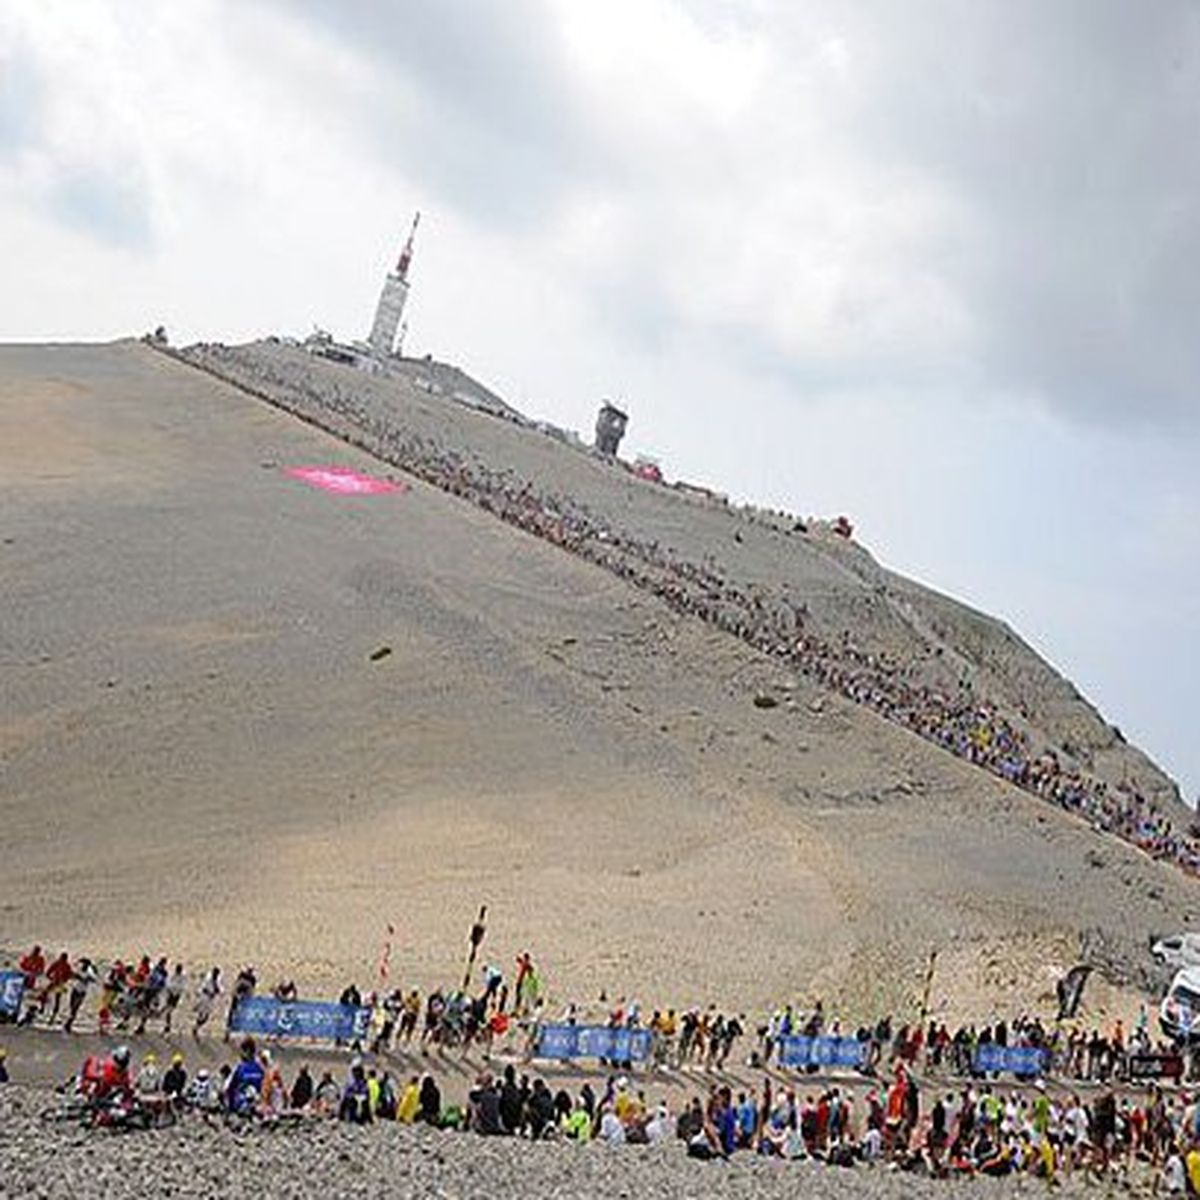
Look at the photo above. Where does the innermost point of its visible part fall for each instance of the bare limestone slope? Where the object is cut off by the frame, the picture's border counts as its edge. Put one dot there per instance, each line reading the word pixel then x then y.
pixel 197 751
pixel 843 588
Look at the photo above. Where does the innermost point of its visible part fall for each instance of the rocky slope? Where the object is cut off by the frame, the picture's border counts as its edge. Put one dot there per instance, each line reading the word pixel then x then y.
pixel 200 752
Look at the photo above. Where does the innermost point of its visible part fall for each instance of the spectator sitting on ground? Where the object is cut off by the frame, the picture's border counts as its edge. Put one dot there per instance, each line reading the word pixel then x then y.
pixel 355 1105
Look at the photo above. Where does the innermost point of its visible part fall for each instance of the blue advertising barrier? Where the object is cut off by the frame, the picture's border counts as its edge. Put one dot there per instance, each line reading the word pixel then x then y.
pixel 12 988
pixel 593 1041
pixel 1017 1060
pixel 821 1052
pixel 300 1019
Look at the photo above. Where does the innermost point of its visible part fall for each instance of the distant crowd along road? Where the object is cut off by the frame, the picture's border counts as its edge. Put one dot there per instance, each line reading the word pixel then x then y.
pixel 964 724
pixel 139 993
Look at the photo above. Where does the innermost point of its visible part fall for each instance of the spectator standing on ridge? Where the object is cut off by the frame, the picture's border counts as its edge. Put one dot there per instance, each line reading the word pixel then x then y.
pixel 82 978
pixel 173 991
pixel 31 966
pixel 409 1016
pixel 206 1000
pixel 58 975
pixel 243 989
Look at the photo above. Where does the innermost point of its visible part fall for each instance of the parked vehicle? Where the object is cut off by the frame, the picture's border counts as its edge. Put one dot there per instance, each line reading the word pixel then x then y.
pixel 1179 1012
pixel 1178 950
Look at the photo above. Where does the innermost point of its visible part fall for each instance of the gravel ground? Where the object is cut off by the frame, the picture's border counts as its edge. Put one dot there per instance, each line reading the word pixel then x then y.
pixel 327 1159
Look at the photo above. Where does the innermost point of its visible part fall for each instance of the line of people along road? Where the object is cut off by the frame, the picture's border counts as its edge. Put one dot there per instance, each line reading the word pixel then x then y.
pixel 948 712
pixel 490 1015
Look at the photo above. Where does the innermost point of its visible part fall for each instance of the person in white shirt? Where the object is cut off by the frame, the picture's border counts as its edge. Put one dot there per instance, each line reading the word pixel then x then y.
pixel 611 1129
pixel 173 991
pixel 210 989
pixel 872 1145
pixel 148 1078
pixel 660 1127
pixel 1174 1177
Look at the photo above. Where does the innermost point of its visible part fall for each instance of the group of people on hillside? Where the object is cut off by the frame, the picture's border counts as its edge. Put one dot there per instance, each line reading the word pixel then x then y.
pixel 946 712
pixel 979 1129
pixel 253 1087
pixel 1069 1051
pixel 129 993
pixel 495 1017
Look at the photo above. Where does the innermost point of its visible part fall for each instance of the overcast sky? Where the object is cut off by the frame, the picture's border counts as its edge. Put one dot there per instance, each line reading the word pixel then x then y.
pixel 934 265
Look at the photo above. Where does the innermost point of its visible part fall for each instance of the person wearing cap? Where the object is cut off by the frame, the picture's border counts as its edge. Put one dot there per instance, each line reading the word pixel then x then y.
pixel 175 1080
pixel 148 1078
pixel 108 1077
pixel 203 1092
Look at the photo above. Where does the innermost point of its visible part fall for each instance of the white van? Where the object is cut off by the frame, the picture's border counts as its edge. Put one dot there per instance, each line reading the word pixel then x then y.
pixel 1178 950
pixel 1179 1012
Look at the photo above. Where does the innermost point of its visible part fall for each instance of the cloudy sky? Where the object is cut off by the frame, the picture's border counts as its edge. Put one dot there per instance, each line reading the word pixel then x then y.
pixel 932 264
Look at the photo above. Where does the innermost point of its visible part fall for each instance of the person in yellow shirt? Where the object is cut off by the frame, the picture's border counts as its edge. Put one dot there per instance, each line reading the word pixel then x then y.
pixel 410 1102
pixel 623 1102
pixel 1047 1163
pixel 1192 1162
pixel 578 1125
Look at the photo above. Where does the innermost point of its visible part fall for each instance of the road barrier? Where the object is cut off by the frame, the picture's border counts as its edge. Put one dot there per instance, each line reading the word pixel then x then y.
pixel 798 1051
pixel 593 1041
pixel 318 1020
pixel 1014 1060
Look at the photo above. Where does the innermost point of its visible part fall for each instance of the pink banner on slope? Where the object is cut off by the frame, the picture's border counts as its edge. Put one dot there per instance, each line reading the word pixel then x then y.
pixel 344 481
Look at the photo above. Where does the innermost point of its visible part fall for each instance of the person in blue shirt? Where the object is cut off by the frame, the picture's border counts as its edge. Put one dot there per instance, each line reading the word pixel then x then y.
pixel 747 1119
pixel 725 1119
pixel 246 1081
pixel 356 1105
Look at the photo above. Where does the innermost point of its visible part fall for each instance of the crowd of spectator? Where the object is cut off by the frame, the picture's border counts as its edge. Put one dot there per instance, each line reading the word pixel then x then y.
pixel 901 1122
pixel 496 1017
pixel 955 719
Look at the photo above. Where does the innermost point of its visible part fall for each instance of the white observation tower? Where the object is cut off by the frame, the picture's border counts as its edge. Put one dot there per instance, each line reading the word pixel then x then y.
pixel 391 300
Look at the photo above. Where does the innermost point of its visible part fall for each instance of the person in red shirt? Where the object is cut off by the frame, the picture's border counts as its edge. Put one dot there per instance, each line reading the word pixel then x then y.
pixel 58 975
pixel 32 966
pixel 108 1078
pixel 897 1105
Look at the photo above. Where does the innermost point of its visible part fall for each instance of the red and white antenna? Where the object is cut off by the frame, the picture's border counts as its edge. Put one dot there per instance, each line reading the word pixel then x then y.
pixel 406 254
